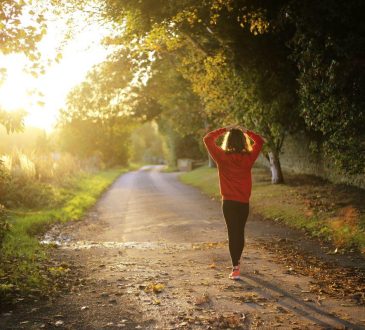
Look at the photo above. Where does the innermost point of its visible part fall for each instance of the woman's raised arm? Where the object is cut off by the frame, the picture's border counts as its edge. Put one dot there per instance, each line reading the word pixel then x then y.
pixel 210 142
pixel 258 143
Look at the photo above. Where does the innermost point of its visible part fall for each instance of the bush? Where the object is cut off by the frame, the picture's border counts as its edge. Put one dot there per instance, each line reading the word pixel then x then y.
pixel 29 194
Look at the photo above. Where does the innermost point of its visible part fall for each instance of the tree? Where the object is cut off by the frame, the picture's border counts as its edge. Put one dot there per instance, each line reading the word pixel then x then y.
pixel 104 139
pixel 146 144
pixel 277 66
pixel 328 48
pixel 94 122
pixel 166 97
pixel 234 55
pixel 180 119
pixel 248 96
pixel 19 37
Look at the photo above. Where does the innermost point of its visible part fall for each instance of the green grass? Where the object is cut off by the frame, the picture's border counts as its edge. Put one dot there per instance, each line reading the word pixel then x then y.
pixel 170 169
pixel 311 205
pixel 204 178
pixel 22 267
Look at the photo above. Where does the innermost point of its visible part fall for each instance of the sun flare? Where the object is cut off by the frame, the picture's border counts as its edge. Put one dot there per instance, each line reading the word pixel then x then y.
pixel 44 96
pixel 13 93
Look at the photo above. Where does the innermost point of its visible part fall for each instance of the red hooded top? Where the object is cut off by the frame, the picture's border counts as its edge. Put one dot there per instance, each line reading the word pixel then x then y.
pixel 234 169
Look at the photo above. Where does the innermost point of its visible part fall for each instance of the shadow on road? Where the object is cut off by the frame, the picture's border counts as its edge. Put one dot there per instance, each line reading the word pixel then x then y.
pixel 299 307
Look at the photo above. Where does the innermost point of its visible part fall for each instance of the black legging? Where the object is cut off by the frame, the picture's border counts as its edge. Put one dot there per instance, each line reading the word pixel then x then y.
pixel 235 213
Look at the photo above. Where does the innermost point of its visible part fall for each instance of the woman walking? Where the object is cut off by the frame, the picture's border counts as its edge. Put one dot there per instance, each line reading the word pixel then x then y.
pixel 234 161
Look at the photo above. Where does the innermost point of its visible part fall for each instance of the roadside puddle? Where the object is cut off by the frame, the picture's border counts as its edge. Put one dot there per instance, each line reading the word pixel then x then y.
pixel 64 242
pixel 82 245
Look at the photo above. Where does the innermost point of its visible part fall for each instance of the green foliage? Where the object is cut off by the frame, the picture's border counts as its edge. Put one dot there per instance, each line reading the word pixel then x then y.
pixel 179 105
pixel 331 76
pixel 179 145
pixel 275 67
pixel 258 99
pixel 180 119
pixel 29 194
pixel 17 37
pixel 99 95
pixel 108 139
pixel 232 58
pixel 147 145
pixel 94 122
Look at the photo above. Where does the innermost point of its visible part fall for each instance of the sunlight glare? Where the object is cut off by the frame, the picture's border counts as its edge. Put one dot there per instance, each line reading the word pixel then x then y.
pixel 43 97
pixel 13 93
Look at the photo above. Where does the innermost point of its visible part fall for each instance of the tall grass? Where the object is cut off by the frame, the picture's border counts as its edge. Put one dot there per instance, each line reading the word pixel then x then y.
pixel 29 179
pixel 51 167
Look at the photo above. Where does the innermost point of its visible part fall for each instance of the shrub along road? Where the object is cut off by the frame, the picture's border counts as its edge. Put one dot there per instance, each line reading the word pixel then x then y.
pixel 153 254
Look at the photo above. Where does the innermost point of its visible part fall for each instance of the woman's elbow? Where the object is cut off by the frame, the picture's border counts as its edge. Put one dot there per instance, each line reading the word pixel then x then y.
pixel 206 139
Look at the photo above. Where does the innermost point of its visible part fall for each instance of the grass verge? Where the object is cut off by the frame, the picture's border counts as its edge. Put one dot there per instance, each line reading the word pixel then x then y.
pixel 22 257
pixel 169 169
pixel 335 213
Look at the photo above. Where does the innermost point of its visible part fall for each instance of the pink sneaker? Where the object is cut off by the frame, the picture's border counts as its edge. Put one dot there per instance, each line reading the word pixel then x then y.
pixel 235 275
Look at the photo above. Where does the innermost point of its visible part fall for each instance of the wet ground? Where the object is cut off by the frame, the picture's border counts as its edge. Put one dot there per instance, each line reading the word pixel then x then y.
pixel 152 254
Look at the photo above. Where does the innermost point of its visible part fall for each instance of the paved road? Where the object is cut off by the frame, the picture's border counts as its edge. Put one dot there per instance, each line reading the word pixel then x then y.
pixel 153 206
pixel 152 254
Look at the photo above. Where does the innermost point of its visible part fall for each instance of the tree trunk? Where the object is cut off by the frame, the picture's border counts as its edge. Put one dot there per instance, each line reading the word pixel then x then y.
pixel 275 167
pixel 211 162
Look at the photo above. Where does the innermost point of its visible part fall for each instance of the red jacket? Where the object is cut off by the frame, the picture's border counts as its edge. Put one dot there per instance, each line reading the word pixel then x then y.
pixel 234 169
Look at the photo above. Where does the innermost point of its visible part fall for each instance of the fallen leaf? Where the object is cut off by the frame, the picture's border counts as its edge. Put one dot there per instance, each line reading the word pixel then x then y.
pixel 202 299
pixel 58 323
pixel 155 287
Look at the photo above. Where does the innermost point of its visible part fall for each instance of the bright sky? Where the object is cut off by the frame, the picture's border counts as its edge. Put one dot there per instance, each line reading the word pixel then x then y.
pixel 79 55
